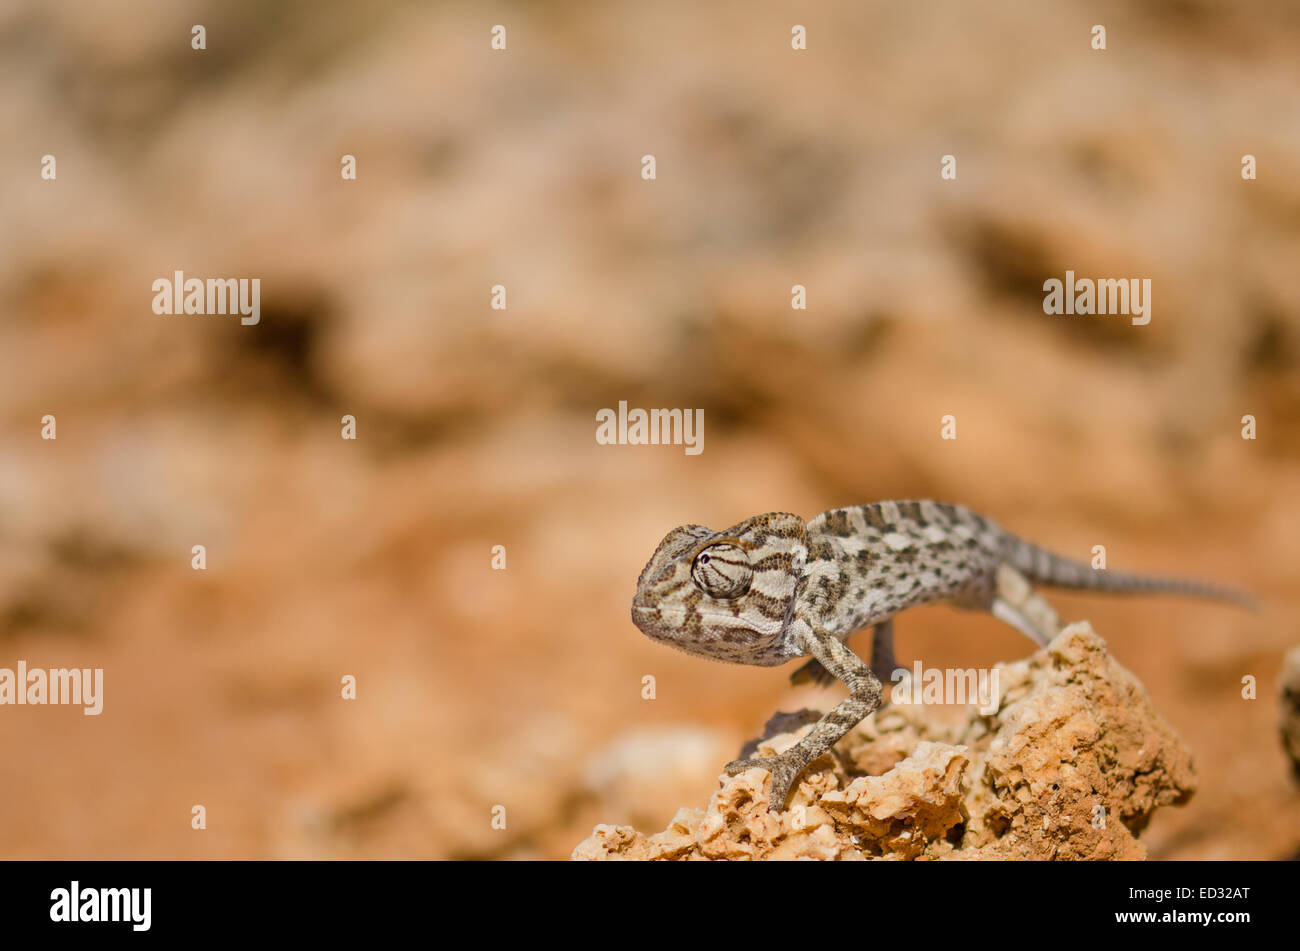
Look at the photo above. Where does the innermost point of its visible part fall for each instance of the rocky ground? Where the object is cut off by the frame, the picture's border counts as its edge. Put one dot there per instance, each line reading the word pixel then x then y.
pixel 1071 763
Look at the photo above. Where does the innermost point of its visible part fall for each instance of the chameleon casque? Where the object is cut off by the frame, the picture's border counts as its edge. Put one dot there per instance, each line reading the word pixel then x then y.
pixel 773 588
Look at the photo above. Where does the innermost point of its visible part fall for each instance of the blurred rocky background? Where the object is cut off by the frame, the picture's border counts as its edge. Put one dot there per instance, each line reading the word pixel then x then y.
pixel 522 688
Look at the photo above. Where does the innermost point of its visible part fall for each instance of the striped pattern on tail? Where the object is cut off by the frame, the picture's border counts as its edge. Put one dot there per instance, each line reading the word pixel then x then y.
pixel 1050 569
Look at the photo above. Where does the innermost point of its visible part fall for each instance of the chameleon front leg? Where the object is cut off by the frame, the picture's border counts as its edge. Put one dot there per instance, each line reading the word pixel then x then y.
pixel 882 660
pixel 882 651
pixel 863 699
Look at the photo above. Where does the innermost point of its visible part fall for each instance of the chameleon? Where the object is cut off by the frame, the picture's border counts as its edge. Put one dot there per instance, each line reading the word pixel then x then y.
pixel 774 588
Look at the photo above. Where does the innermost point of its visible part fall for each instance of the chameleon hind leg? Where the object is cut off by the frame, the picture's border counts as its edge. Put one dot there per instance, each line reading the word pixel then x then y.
pixel 1016 603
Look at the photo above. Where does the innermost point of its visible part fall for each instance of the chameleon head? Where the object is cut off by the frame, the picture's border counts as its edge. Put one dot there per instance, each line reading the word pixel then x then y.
pixel 724 595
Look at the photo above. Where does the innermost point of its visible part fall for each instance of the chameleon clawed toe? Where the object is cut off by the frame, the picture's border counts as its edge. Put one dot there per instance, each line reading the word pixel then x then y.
pixel 784 773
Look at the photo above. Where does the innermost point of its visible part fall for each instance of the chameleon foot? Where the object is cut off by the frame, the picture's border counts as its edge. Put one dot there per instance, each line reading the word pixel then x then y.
pixel 780 723
pixel 783 770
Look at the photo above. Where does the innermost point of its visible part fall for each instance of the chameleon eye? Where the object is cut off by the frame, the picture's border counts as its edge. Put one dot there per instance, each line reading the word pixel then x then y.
pixel 722 571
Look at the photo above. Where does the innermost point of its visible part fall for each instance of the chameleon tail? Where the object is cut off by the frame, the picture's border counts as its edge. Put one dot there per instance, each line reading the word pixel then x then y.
pixel 1046 568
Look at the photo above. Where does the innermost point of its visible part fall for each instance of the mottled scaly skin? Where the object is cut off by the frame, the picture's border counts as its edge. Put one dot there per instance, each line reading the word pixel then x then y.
pixel 773 588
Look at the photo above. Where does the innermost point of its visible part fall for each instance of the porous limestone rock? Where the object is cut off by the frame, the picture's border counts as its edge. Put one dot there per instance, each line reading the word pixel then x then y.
pixel 1071 765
